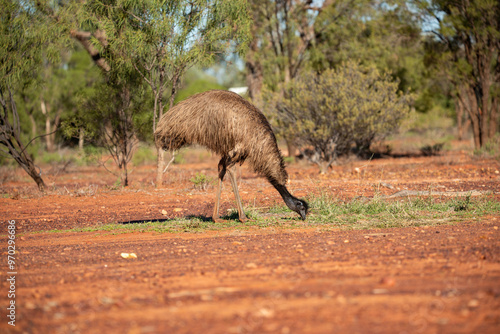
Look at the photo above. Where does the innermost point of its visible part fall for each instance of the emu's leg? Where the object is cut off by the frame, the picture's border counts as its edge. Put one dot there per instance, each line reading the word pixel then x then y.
pixel 241 213
pixel 222 172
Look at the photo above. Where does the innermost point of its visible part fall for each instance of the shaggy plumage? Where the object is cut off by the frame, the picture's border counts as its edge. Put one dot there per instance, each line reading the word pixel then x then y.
pixel 232 127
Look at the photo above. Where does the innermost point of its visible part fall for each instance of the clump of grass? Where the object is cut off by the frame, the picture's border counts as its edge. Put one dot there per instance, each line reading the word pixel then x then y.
pixel 491 148
pixel 179 225
pixel 379 212
pixel 329 212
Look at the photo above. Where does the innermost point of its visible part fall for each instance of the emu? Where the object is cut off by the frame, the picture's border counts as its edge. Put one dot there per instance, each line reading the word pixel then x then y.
pixel 230 126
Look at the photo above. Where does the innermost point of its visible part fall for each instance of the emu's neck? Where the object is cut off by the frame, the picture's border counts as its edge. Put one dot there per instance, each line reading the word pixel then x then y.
pixel 287 197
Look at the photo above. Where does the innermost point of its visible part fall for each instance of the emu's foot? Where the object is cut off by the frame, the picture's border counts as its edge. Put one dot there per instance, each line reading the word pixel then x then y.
pixel 244 219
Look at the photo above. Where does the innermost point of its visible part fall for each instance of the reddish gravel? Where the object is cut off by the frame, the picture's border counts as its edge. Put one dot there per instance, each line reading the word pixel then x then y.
pixel 431 279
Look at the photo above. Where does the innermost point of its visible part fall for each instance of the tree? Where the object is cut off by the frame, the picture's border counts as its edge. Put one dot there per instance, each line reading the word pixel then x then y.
pixel 86 80
pixel 162 39
pixel 283 32
pixel 291 36
pixel 470 34
pixel 114 117
pixel 25 42
pixel 330 113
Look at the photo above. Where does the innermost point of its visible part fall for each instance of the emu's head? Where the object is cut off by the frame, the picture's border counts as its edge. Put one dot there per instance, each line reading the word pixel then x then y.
pixel 300 206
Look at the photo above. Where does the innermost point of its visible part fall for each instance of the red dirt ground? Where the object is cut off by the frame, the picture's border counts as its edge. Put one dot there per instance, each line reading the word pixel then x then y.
pixel 430 279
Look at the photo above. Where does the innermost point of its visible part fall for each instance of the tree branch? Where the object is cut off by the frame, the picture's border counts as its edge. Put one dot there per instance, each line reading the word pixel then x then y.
pixel 84 38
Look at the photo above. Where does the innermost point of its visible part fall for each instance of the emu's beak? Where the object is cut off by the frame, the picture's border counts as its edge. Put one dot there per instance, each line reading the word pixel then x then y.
pixel 302 214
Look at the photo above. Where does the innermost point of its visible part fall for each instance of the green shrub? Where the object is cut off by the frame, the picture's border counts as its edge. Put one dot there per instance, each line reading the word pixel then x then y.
pixel 91 154
pixel 330 113
pixel 201 181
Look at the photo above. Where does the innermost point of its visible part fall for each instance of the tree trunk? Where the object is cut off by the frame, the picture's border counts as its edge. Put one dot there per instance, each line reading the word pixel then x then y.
pixel 254 73
pixel 10 137
pixel 30 168
pixel 45 112
pixel 160 153
pixel 160 163
pixel 81 138
pixel 468 100
pixel 254 80
pixel 50 135
pixel 124 175
pixel 494 118
pixel 460 118
pixel 323 167
pixel 291 147
pixel 35 175
pixel 48 138
pixel 23 159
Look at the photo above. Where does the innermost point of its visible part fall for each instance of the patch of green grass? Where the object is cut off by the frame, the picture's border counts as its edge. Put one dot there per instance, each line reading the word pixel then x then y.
pixel 379 213
pixel 189 224
pixel 327 212
pixel 50 157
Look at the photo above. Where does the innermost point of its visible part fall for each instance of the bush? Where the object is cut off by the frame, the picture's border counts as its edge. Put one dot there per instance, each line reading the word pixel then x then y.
pixel 201 181
pixel 332 112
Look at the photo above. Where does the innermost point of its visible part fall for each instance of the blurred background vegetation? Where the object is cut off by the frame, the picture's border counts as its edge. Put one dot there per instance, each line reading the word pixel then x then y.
pixel 79 79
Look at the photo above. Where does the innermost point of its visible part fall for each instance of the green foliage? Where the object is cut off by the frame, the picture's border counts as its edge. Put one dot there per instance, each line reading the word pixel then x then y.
pixel 26 42
pixel 330 112
pixel 81 84
pixel 466 52
pixel 377 212
pixel 117 185
pixel 161 40
pixel 198 86
pixel 201 181
pixel 144 155
pixel 91 154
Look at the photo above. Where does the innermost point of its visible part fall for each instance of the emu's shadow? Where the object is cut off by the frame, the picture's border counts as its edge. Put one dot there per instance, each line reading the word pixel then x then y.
pixel 203 218
pixel 166 220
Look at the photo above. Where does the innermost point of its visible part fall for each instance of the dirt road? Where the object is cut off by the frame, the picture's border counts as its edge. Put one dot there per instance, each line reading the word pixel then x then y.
pixel 426 279
pixel 413 280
